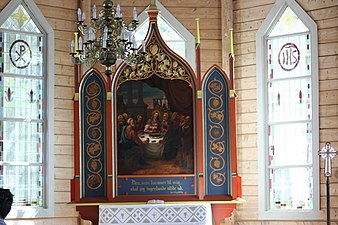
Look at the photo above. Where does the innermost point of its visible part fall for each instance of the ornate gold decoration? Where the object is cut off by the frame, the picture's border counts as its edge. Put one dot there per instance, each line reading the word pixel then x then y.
pixel 94 134
pixel 76 97
pixel 20 16
pixel 157 62
pixel 109 95
pixel 199 94
pixel 232 93
pixel 216 132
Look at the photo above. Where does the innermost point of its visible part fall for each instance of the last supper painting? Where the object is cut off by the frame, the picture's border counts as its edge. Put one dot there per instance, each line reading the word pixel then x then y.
pixel 154 127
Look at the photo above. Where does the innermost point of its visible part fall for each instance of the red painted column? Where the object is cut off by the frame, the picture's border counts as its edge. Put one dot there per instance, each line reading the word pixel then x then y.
pixel 109 140
pixel 200 155
pixel 236 180
pixel 75 183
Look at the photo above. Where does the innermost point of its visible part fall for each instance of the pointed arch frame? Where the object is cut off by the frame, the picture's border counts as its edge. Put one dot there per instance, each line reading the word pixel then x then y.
pixel 47 30
pixel 266 27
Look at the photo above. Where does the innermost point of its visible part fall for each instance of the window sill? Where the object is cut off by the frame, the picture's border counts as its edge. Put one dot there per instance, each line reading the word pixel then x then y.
pixel 289 215
pixel 29 212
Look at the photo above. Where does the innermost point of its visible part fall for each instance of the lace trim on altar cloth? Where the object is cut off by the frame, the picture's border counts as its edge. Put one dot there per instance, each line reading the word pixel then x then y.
pixel 156 214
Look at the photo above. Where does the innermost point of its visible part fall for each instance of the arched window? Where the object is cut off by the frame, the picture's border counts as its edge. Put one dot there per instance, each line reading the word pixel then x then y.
pixel 287 75
pixel 26 110
pixel 175 35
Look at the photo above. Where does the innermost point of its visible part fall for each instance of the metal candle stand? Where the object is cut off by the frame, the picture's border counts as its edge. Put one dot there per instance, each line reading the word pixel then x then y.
pixel 327 153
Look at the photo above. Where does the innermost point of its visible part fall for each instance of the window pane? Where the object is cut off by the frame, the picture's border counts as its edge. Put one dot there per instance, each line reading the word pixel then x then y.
pixel 289 56
pixel 22 93
pixel 288 23
pixel 172 38
pixel 178 47
pixel 291 188
pixel 22 54
pixel 20 142
pixel 20 21
pixel 21 98
pixel 289 100
pixel 290 144
pixel 25 182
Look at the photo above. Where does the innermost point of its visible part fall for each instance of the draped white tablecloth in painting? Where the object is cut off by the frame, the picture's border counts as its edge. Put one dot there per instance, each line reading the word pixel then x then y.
pixel 156 214
pixel 153 149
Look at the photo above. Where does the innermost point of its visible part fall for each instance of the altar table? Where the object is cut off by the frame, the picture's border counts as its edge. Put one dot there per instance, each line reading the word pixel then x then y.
pixel 156 214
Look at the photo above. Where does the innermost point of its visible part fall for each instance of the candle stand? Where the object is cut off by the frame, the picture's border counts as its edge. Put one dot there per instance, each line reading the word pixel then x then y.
pixel 327 153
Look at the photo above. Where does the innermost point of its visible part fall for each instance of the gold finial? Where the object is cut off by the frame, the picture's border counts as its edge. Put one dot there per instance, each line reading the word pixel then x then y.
pixel 198 40
pixel 231 41
pixel 152 5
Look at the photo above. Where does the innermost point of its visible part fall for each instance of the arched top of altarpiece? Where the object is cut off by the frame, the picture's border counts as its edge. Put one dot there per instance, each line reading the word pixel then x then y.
pixel 159 61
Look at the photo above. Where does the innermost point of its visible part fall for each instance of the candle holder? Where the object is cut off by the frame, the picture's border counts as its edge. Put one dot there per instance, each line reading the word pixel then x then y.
pixel 327 153
pixel 107 39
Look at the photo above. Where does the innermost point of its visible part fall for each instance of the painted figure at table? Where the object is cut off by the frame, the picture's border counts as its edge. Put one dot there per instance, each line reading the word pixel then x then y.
pixel 164 123
pixel 139 124
pixel 187 143
pixel 131 152
pixel 172 139
pixel 153 125
pixel 120 124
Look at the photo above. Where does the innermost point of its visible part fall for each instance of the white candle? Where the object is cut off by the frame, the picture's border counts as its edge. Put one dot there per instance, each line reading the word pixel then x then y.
pixel 80 43
pixel 79 14
pixel 118 11
pixel 133 39
pixel 83 16
pixel 143 46
pixel 122 33
pixel 94 11
pixel 91 35
pixel 105 33
pixel 72 47
pixel 135 14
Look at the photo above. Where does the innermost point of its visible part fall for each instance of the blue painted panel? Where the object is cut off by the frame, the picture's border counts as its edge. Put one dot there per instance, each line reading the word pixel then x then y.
pixel 93 133
pixel 156 186
pixel 217 133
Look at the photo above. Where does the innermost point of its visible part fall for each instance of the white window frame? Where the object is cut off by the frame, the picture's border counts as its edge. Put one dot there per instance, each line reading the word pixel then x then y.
pixel 272 18
pixel 180 29
pixel 41 22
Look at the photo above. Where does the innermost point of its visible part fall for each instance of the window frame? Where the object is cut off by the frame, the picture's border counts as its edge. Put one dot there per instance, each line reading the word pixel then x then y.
pixel 261 70
pixel 180 29
pixel 48 157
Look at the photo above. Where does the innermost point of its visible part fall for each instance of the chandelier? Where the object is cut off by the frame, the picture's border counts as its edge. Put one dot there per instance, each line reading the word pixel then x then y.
pixel 106 39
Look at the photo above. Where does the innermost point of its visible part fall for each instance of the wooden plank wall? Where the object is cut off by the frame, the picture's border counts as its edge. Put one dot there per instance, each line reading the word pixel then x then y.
pixel 61 15
pixel 248 16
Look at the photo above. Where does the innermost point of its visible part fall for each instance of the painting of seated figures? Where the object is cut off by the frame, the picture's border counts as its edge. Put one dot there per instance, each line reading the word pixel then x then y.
pixel 154 127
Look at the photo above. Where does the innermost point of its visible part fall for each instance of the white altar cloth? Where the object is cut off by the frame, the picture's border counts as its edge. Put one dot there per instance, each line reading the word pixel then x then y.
pixel 156 214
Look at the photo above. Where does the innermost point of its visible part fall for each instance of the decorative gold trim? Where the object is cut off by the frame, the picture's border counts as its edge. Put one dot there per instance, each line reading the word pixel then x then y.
pixel 198 39
pixel 76 97
pixel 152 5
pixel 199 93
pixel 157 62
pixel 216 132
pixel 232 93
pixel 109 95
